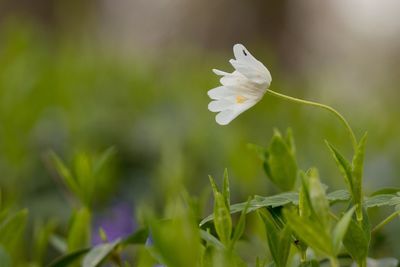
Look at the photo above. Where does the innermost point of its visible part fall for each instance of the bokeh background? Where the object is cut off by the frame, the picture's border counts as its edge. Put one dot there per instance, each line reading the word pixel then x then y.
pixel 133 74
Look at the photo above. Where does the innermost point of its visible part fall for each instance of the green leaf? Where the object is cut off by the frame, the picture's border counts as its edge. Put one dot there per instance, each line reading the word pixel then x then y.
pixel 284 245
pixel 225 189
pixel 176 242
pixel 340 230
pixel 222 219
pixel 65 174
pixel 272 234
pixel 277 201
pixel 304 209
pixel 239 229
pixel 68 259
pixel 138 237
pixel 99 163
pixel 5 260
pixel 338 195
pixel 343 165
pixel 358 165
pixel 290 141
pixel 318 198
pixel 213 185
pixel 379 200
pixel 259 150
pixel 11 230
pixel 387 190
pixel 279 240
pixel 357 238
pixel 281 166
pixel 210 239
pixel 79 233
pixel 260 202
pixel 98 254
pixel 311 232
pixel 42 234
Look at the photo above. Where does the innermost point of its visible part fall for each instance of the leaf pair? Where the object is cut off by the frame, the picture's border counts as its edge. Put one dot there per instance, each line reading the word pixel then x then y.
pixel 353 173
pixel 279 160
pixel 278 237
pixel 222 215
pixel 87 179
pixel 313 223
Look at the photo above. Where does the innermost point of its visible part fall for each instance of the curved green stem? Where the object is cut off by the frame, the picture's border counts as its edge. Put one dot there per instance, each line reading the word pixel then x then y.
pixel 315 104
pixel 386 221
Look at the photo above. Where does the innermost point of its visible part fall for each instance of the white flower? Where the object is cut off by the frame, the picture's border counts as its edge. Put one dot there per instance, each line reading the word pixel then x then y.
pixel 241 89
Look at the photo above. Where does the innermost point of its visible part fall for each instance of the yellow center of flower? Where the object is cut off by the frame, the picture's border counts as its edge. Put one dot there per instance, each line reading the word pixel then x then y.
pixel 240 99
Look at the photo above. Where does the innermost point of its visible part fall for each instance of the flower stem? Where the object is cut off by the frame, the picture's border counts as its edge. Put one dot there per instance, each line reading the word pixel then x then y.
pixel 386 221
pixel 315 104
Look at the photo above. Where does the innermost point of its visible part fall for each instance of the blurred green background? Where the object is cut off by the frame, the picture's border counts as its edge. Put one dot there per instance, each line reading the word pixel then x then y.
pixel 87 75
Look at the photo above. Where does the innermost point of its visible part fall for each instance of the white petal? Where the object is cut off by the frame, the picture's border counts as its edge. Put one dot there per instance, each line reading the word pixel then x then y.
pixel 233 79
pixel 254 73
pixel 226 116
pixel 220 72
pixel 220 92
pixel 220 105
pixel 249 66
pixel 241 53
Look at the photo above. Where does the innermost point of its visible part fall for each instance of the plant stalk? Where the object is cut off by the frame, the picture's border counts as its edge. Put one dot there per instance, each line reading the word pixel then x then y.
pixel 386 221
pixel 326 107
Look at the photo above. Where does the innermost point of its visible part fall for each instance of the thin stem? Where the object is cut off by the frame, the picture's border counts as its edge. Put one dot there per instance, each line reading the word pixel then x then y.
pixel 315 104
pixel 386 221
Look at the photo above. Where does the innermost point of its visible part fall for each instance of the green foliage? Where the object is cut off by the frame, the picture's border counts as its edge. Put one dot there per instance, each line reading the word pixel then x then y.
pixel 314 224
pixel 68 259
pixel 180 230
pixel 79 230
pixel 58 94
pixel 358 165
pixel 357 239
pixel 280 161
pixel 89 177
pixel 279 239
pixel 98 254
pixel 5 260
pixel 222 217
pixel 11 231
pixel 353 173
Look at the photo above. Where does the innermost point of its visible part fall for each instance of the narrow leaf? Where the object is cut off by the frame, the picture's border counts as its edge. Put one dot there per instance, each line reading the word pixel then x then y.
pixel 356 239
pixel 358 165
pixel 239 229
pixel 340 230
pixel 310 232
pixel 79 233
pixel 68 259
pixel 222 219
pixel 281 164
pixel 12 228
pixel 65 174
pixel 98 254
pixel 225 190
pixel 343 165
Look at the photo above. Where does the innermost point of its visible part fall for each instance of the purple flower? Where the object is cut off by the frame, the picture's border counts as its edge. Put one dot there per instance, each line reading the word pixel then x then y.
pixel 117 222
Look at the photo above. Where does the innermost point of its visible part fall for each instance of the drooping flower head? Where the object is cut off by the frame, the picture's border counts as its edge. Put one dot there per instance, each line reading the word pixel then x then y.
pixel 241 89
